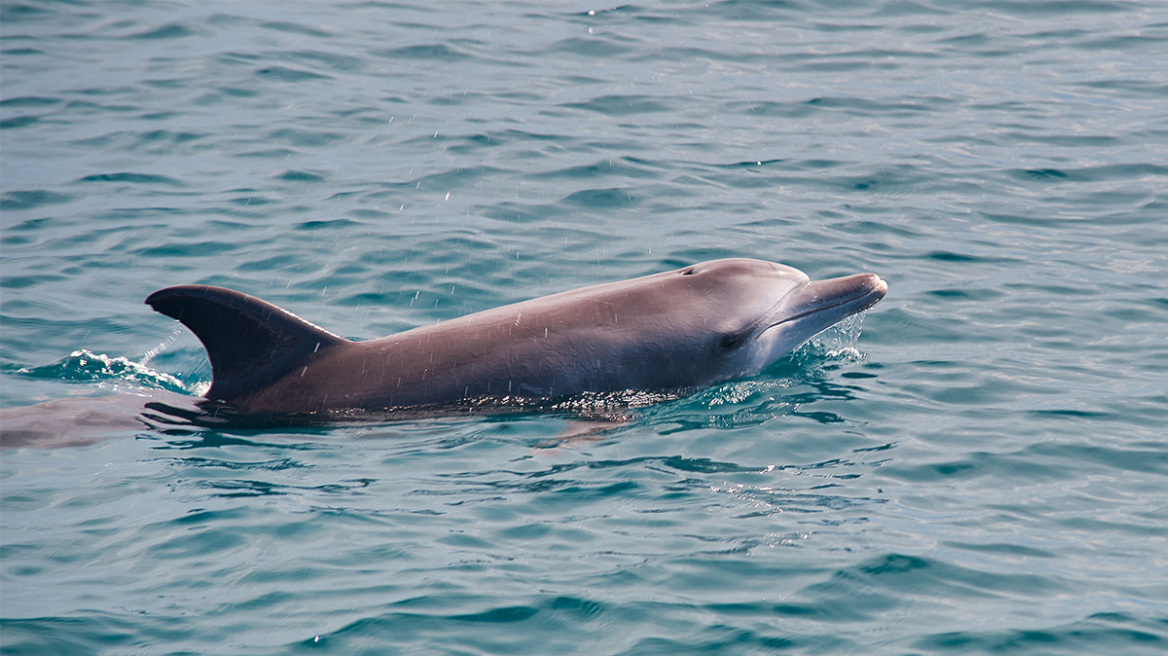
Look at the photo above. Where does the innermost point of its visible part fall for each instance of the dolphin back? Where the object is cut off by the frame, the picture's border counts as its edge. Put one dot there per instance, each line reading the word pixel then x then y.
pixel 250 342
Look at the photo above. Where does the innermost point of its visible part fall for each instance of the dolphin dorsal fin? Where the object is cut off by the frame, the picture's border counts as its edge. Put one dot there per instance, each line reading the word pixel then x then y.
pixel 250 342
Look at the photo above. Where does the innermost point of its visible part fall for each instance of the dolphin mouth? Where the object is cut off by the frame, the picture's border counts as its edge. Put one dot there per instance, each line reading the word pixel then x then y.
pixel 826 302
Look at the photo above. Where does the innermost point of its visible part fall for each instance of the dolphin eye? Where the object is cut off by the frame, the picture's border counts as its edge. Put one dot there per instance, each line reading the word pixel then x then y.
pixel 731 342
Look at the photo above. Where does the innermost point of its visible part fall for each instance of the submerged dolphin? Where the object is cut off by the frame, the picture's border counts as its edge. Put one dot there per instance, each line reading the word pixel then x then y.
pixel 669 332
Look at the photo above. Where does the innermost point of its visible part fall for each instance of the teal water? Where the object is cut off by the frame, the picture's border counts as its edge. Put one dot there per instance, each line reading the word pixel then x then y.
pixel 980 466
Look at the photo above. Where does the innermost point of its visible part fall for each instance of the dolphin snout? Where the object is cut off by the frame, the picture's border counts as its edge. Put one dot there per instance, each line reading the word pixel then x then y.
pixel 834 299
pixel 876 286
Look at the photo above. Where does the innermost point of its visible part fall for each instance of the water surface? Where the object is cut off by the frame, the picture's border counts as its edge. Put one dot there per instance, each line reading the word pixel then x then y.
pixel 981 468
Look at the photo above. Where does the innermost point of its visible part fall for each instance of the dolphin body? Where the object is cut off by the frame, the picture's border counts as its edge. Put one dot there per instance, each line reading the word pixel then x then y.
pixel 670 332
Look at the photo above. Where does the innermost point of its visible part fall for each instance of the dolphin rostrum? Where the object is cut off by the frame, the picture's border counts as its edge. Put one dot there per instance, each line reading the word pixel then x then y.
pixel 670 332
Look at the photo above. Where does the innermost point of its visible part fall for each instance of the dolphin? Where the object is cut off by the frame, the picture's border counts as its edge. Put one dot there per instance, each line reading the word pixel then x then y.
pixel 671 332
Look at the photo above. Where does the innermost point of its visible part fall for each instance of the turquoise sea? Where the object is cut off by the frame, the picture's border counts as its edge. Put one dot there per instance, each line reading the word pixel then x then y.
pixel 979 465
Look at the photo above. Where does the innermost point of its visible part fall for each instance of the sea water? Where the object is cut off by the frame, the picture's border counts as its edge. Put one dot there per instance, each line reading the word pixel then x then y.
pixel 978 466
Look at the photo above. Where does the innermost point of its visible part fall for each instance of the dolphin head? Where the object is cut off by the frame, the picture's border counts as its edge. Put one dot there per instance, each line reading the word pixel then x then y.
pixel 754 312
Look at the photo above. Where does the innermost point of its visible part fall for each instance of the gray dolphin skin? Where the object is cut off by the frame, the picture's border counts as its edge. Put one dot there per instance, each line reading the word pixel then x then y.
pixel 670 332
